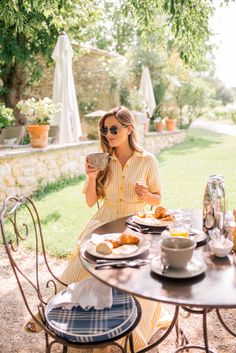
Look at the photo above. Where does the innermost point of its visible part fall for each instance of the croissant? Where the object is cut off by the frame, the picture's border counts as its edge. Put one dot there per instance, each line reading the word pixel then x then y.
pixel 168 218
pixel 160 212
pixel 127 238
pixel 115 243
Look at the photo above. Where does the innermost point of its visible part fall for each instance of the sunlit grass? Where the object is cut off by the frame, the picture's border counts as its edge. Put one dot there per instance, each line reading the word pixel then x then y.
pixel 185 168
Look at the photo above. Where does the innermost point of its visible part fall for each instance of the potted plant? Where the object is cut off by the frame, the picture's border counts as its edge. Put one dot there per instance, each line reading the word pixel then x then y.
pixel 171 118
pixel 157 119
pixel 159 124
pixel 39 113
pixel 6 116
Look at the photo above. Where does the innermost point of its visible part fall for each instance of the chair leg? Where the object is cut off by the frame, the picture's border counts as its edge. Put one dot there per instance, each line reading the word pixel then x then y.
pixel 131 343
pixel 64 349
pixel 48 346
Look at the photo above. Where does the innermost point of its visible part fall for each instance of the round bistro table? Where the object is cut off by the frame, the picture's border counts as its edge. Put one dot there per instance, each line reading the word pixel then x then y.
pixel 214 289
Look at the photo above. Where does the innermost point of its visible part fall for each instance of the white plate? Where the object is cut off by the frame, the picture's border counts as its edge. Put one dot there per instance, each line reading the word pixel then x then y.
pixel 194 268
pixel 198 236
pixel 151 222
pixel 142 246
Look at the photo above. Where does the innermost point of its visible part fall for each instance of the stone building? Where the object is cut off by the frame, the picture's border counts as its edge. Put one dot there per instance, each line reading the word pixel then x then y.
pixel 95 87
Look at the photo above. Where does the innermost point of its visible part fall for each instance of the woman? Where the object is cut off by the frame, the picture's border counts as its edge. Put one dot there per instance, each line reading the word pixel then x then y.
pixel 129 182
pixel 132 178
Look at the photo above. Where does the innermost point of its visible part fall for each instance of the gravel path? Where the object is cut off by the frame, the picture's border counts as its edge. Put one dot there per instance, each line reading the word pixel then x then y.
pixel 221 127
pixel 14 339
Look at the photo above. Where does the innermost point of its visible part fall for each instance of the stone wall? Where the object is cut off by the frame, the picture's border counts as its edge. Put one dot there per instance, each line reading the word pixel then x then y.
pixel 24 170
pixel 155 142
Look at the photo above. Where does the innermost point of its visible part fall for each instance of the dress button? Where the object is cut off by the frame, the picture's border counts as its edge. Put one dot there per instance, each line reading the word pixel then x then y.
pixel 121 200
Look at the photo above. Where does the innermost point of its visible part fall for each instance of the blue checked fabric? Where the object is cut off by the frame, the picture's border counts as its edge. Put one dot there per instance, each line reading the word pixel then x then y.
pixel 78 325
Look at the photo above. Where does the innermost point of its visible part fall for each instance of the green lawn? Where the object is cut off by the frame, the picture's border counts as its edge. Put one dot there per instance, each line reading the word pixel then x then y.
pixel 184 170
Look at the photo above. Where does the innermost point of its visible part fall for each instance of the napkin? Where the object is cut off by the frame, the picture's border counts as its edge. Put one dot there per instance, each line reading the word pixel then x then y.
pixel 87 294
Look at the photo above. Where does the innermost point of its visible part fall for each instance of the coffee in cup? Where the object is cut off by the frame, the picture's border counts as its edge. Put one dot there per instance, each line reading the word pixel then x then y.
pixel 176 252
pixel 99 160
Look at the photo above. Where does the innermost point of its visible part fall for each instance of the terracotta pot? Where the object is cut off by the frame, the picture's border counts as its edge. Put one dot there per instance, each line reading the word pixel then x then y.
pixel 38 135
pixel 159 126
pixel 171 124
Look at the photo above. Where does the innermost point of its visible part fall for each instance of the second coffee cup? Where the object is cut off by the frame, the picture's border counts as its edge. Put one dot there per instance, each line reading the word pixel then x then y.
pixel 176 252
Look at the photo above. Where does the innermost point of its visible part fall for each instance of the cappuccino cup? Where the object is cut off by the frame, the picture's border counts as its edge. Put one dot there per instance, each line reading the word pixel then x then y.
pixel 99 160
pixel 176 252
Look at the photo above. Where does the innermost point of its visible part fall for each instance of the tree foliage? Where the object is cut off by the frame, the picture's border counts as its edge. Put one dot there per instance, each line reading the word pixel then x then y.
pixel 29 29
pixel 187 21
pixel 28 33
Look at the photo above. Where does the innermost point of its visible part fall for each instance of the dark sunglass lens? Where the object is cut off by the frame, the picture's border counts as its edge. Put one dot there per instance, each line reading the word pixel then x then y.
pixel 104 130
pixel 114 130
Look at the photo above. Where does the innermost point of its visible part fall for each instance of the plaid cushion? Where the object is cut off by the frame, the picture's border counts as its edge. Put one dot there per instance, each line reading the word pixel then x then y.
pixel 78 325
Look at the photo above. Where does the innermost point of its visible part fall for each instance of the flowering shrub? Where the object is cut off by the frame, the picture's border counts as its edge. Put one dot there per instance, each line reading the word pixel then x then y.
pixel 38 111
pixel 6 116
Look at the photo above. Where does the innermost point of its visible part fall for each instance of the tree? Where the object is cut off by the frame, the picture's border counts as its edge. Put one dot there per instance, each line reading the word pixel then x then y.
pixel 186 19
pixel 29 29
pixel 192 98
pixel 28 33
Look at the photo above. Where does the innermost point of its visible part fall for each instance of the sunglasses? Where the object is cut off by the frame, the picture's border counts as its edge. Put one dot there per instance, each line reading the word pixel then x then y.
pixel 113 129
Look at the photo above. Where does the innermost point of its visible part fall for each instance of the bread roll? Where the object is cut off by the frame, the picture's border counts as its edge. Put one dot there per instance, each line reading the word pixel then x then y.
pixel 105 247
pixel 127 238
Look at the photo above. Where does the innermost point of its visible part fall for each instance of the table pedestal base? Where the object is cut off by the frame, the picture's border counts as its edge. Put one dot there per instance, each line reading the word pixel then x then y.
pixel 181 340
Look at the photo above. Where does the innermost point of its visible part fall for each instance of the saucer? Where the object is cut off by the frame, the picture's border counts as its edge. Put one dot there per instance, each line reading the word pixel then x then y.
pixel 197 235
pixel 194 268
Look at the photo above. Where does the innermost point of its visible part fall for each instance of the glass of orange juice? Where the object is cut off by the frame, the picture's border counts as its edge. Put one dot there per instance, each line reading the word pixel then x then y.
pixel 179 230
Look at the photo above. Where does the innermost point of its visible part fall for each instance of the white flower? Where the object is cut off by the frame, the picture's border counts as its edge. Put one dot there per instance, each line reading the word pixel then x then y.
pixel 38 111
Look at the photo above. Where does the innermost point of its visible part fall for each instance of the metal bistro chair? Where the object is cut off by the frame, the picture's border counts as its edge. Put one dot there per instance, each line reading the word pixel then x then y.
pixel 13 135
pixel 19 221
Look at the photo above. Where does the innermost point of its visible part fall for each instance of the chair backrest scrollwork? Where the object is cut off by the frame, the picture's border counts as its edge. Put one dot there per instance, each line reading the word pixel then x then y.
pixel 20 224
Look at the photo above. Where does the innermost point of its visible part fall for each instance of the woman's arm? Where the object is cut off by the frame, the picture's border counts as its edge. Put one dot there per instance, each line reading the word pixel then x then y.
pixel 149 191
pixel 152 198
pixel 144 195
pixel 90 191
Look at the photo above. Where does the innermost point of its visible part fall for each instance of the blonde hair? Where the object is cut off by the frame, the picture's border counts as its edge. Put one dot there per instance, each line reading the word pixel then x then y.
pixel 126 118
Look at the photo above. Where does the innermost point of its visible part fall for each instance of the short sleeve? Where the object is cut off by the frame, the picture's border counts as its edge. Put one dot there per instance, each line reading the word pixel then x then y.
pixel 153 177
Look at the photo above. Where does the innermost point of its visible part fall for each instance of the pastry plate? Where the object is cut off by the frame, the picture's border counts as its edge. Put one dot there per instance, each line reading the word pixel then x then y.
pixel 194 268
pixel 122 252
pixel 197 235
pixel 151 222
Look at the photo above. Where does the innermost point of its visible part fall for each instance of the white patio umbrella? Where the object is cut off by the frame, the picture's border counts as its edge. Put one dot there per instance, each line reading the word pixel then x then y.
pixel 64 92
pixel 146 91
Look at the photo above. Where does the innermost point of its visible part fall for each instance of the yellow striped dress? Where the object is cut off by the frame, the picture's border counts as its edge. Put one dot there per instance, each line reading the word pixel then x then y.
pixel 122 201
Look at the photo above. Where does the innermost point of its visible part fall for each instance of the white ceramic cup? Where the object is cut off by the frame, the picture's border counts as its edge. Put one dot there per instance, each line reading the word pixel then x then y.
pixel 176 252
pixel 99 160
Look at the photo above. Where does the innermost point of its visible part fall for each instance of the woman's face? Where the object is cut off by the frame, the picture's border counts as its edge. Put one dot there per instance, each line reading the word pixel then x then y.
pixel 122 132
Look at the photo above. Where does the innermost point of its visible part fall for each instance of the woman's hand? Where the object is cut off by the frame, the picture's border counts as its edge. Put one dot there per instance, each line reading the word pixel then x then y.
pixel 141 190
pixel 90 171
